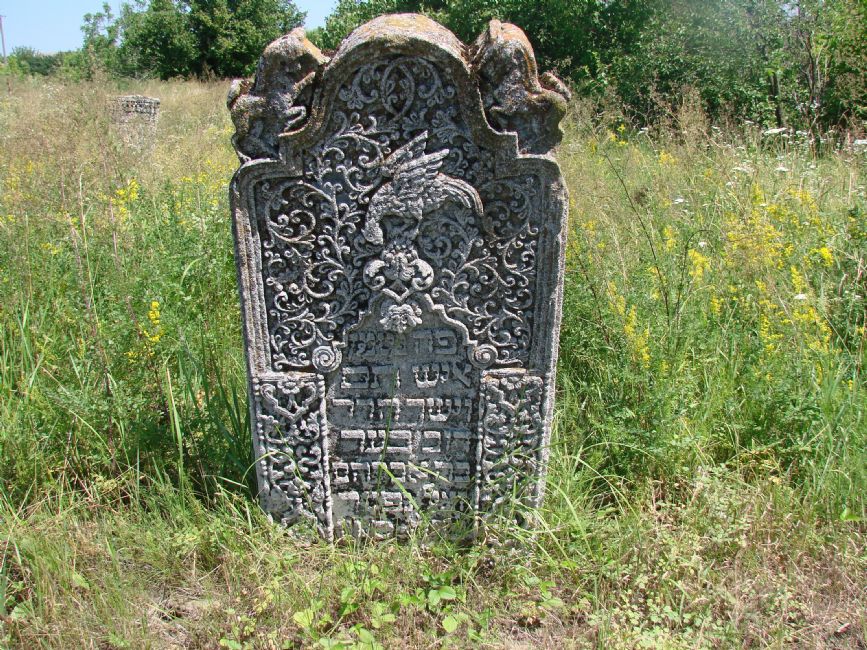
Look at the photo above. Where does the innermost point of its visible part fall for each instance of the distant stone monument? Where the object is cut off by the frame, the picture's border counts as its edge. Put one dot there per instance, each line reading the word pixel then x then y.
pixel 399 226
pixel 134 118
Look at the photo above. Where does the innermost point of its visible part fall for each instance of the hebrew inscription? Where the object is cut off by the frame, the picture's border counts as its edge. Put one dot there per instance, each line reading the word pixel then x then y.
pixel 399 229
pixel 402 427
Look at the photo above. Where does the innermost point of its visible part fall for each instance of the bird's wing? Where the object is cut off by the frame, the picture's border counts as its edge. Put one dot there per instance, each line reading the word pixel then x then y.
pixel 411 168
pixel 407 153
pixel 415 175
pixel 463 193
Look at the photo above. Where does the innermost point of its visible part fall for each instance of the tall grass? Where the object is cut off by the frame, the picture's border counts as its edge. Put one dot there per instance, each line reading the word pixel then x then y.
pixel 709 464
pixel 716 307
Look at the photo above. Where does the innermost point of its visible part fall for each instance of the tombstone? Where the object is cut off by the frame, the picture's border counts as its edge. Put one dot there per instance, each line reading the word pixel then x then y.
pixel 399 225
pixel 134 120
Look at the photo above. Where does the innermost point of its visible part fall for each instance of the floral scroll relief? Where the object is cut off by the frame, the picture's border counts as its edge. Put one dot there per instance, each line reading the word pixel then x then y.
pixel 512 430
pixel 397 197
pixel 416 188
pixel 290 442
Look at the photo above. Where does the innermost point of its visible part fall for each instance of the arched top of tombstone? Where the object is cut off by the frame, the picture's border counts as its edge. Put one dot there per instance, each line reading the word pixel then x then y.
pixel 497 74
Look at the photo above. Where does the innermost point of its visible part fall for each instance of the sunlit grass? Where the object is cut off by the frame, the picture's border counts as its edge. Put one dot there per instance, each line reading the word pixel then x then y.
pixel 707 478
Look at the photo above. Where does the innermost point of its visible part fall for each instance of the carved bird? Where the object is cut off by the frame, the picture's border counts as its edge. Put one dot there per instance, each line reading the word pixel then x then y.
pixel 416 188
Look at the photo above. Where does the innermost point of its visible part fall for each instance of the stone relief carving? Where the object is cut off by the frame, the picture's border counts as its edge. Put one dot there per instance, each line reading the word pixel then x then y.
pixel 289 441
pixel 515 98
pixel 399 227
pixel 511 427
pixel 278 99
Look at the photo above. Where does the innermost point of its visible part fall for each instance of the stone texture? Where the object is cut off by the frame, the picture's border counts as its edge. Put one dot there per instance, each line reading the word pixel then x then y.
pixel 277 99
pixel 399 225
pixel 134 119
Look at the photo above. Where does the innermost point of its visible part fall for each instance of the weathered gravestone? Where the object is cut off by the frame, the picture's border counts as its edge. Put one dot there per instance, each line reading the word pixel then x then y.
pixel 399 227
pixel 134 119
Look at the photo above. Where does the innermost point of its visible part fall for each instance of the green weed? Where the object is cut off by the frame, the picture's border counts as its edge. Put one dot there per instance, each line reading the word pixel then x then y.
pixel 709 461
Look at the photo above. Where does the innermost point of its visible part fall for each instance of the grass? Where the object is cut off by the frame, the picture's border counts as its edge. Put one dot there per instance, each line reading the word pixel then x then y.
pixel 709 464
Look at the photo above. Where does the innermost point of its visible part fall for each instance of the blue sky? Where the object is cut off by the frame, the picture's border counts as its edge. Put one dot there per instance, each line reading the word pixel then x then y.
pixel 53 25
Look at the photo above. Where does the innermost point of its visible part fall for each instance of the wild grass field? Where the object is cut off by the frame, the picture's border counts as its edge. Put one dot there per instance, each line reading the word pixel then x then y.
pixel 709 462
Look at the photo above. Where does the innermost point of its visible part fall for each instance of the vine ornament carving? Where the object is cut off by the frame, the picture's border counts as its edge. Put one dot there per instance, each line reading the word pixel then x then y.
pixel 399 226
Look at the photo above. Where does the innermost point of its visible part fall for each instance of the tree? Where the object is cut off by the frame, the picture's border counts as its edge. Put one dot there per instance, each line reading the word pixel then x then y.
pixel 231 34
pixel 827 58
pixel 157 41
pixel 27 60
pixel 169 38
pixel 572 36
pixel 725 50
pixel 778 62
pixel 846 39
pixel 349 14
pixel 101 33
pixel 799 63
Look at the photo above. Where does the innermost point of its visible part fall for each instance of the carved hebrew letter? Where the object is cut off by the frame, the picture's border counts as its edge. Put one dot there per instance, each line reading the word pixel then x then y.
pixel 399 227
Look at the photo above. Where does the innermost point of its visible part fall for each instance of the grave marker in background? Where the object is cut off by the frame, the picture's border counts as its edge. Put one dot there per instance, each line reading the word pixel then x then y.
pixel 134 118
pixel 399 225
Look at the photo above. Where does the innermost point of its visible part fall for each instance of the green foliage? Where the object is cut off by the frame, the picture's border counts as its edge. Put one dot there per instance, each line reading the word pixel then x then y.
pixel 735 335
pixel 567 34
pixel 777 63
pixel 707 480
pixel 349 14
pixel 157 41
pixel 719 48
pixel 799 65
pixel 231 34
pixel 27 61
pixel 844 38
pixel 171 38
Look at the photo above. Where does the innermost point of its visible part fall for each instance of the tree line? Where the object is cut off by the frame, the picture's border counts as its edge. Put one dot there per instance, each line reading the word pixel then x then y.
pixel 169 38
pixel 780 63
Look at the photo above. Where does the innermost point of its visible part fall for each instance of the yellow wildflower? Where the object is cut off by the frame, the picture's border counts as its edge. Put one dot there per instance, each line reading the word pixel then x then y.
pixel 612 137
pixel 753 243
pixel 698 264
pixel 154 313
pixel 757 195
pixel 804 198
pixel 124 196
pixel 154 333
pixel 637 339
pixel 814 328
pixel 825 254
pixel 670 238
pixel 767 333
pixel 798 282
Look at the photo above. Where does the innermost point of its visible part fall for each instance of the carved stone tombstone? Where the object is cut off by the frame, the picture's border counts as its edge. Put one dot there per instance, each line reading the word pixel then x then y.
pixel 399 226
pixel 134 119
